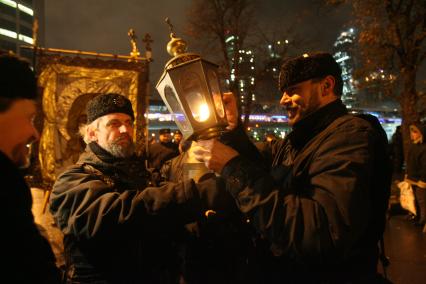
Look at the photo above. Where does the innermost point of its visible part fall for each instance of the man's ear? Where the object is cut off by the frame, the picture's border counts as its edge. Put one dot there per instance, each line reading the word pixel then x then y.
pixel 91 133
pixel 328 86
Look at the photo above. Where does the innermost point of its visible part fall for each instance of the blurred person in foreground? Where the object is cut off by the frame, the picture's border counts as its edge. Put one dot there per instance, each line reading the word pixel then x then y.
pixel 27 256
pixel 215 249
pixel 416 169
pixel 117 229
pixel 321 206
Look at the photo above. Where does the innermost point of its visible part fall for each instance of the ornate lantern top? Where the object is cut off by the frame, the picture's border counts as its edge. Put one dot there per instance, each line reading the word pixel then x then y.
pixel 176 47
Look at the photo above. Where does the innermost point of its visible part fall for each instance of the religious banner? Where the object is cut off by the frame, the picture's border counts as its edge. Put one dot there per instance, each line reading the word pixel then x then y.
pixel 68 83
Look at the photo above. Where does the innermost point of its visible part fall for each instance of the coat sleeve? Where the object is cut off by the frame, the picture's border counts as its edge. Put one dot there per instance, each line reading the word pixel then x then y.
pixel 239 140
pixel 319 214
pixel 85 206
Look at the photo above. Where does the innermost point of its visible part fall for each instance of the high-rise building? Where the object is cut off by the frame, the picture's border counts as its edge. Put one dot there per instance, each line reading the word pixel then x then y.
pixel 275 51
pixel 365 95
pixel 245 79
pixel 16 25
pixel 343 53
pixel 267 84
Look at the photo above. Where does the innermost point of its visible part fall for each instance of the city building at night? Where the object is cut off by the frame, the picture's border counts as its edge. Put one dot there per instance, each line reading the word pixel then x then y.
pixel 16 25
pixel 275 50
pixel 343 54
pixel 267 116
pixel 244 65
pixel 369 96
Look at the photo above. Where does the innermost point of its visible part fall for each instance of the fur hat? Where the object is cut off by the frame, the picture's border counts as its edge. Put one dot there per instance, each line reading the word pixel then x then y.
pixel 17 80
pixel 309 66
pixel 164 131
pixel 108 103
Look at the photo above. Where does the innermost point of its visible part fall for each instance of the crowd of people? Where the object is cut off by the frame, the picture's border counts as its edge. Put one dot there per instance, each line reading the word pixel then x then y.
pixel 309 208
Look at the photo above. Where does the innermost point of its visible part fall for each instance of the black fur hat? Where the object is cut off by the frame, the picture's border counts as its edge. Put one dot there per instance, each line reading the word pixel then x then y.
pixel 309 66
pixel 164 131
pixel 108 103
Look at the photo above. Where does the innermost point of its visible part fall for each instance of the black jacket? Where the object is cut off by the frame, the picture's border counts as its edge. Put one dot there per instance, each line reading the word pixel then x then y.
pixel 116 228
pixel 161 152
pixel 416 158
pixel 27 256
pixel 215 249
pixel 322 205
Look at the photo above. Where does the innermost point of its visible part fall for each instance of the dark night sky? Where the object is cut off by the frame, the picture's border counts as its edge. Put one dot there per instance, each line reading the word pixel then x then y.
pixel 102 25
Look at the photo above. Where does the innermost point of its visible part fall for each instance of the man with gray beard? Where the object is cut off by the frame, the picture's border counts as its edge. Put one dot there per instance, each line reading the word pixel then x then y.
pixel 116 228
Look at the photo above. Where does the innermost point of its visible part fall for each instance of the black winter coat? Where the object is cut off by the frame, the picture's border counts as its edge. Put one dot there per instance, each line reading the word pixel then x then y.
pixel 322 204
pixel 416 158
pixel 27 256
pixel 215 249
pixel 116 229
pixel 161 152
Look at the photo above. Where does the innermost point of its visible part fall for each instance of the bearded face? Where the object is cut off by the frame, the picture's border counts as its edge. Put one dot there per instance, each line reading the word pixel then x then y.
pixel 122 147
pixel 114 133
pixel 301 100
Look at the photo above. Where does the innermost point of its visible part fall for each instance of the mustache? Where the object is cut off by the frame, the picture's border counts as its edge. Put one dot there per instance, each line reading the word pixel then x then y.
pixel 123 136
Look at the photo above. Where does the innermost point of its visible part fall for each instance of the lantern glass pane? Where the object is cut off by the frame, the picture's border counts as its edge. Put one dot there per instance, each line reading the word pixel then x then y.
pixel 176 109
pixel 191 85
pixel 216 94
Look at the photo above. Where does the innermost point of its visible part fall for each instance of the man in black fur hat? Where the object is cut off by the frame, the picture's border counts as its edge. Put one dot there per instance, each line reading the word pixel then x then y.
pixel 116 228
pixel 162 151
pixel 28 257
pixel 177 137
pixel 321 205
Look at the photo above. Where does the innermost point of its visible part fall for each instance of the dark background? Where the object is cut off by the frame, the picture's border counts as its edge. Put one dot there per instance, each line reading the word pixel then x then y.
pixel 102 26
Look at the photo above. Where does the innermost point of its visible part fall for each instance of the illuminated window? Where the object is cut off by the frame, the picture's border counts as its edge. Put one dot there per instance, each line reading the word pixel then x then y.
pixel 26 39
pixel 25 9
pixel 8 33
pixel 9 3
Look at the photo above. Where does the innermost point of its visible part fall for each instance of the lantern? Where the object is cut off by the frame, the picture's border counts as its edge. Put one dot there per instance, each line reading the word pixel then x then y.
pixel 190 89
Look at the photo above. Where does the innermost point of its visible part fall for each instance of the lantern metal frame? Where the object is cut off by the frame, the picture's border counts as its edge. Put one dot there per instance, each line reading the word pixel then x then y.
pixel 190 88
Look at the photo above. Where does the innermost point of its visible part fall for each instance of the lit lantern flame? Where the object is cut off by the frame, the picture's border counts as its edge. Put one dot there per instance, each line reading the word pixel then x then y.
pixel 203 113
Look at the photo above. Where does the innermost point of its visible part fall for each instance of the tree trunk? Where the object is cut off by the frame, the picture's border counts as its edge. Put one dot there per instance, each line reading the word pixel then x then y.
pixel 408 103
pixel 247 110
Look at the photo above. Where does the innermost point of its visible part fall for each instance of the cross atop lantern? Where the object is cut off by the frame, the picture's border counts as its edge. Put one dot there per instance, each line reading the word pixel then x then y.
pixel 191 91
